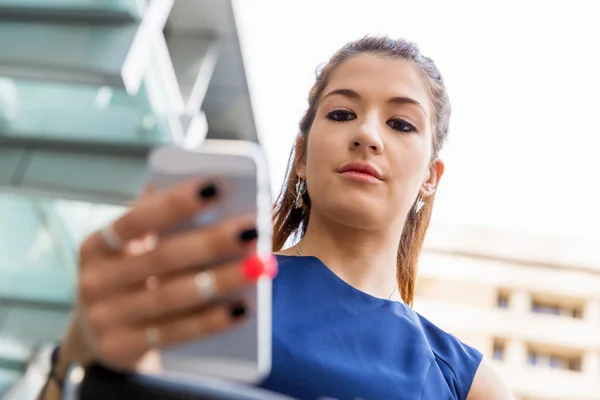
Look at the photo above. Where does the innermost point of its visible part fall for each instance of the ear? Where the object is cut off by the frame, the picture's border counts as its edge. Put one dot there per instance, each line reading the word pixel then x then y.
pixel 300 156
pixel 433 177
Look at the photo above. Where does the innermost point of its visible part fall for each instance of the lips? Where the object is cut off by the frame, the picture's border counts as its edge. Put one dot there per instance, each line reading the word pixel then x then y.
pixel 361 168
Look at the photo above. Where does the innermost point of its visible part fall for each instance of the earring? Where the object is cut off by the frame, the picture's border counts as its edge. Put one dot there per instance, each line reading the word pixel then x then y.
pixel 300 189
pixel 419 204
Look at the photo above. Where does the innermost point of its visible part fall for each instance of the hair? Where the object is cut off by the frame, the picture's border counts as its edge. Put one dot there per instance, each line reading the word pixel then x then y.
pixel 291 222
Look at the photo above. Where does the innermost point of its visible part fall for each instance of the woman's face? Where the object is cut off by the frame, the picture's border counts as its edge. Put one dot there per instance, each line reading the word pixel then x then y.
pixel 369 149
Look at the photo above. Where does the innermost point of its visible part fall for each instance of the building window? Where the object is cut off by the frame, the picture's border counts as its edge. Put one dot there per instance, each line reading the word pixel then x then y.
pixel 554 360
pixel 502 299
pixel 498 350
pixel 533 358
pixel 577 313
pixel 559 362
pixel 575 364
pixel 556 307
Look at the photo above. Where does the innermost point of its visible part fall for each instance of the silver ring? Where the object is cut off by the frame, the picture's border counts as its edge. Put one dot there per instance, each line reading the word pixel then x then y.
pixel 205 283
pixel 152 337
pixel 110 238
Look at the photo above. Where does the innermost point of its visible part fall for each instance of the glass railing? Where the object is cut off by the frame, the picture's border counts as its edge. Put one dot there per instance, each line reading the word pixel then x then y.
pixel 39 241
pixel 38 246
pixel 47 110
pixel 80 42
pixel 131 7
pixel 80 219
pixel 33 264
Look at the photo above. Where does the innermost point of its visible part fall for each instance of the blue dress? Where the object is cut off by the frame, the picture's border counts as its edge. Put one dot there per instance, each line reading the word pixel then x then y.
pixel 332 341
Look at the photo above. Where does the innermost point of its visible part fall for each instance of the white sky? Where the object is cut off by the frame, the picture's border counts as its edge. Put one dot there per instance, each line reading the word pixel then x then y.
pixel 524 81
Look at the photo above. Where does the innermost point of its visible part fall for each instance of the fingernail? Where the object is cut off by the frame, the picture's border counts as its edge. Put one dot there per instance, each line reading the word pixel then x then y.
pixel 248 235
pixel 254 266
pixel 207 192
pixel 237 311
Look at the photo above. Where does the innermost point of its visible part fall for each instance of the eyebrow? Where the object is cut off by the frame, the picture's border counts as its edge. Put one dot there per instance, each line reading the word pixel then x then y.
pixel 351 94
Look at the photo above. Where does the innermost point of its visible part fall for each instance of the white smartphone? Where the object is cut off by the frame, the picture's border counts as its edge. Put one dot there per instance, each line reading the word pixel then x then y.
pixel 244 353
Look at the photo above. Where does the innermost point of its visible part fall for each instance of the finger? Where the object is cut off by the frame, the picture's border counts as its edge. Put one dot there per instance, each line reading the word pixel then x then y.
pixel 192 249
pixel 181 294
pixel 125 347
pixel 156 213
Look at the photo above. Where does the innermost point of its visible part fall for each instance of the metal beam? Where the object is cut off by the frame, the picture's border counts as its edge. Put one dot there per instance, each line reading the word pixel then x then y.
pixel 227 101
pixel 194 59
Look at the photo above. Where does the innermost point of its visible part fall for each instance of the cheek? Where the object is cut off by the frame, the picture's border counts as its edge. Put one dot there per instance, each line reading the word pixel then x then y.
pixel 319 152
pixel 410 161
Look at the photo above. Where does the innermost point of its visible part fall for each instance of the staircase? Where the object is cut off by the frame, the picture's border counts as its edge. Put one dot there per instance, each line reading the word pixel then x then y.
pixel 87 88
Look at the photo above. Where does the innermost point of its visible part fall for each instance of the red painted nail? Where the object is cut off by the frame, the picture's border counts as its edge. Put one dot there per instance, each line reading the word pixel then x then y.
pixel 256 266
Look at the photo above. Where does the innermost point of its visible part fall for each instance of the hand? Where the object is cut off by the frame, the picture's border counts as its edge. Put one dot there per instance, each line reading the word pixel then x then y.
pixel 154 291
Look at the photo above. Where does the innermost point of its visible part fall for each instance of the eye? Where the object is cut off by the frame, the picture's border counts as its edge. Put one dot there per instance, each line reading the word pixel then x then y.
pixel 401 126
pixel 341 116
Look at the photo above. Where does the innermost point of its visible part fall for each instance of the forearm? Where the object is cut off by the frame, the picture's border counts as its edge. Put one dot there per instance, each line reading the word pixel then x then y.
pixel 150 364
pixel 52 388
pixel 50 392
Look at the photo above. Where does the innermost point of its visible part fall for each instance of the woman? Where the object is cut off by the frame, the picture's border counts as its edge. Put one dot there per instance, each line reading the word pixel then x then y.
pixel 359 194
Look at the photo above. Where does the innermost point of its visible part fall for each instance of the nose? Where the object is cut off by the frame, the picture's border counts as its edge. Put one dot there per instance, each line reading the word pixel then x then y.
pixel 367 137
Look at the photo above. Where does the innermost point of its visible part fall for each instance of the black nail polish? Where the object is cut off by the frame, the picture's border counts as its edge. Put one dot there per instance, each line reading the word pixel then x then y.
pixel 248 235
pixel 207 192
pixel 237 311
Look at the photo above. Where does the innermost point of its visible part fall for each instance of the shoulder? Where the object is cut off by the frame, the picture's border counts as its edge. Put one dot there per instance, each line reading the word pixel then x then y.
pixel 296 271
pixel 466 371
pixel 284 258
pixel 488 385
pixel 457 361
pixel 287 263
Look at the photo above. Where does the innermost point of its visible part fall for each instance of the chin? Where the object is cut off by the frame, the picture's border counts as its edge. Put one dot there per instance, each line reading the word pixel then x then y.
pixel 360 212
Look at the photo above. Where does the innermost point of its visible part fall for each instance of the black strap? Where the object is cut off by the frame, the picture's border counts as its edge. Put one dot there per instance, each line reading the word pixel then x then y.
pixel 53 373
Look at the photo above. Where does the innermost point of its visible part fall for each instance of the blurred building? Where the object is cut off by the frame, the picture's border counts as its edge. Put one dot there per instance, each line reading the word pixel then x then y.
pixel 530 303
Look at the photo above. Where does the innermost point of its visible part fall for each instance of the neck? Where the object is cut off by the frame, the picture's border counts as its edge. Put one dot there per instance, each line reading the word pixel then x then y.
pixel 365 259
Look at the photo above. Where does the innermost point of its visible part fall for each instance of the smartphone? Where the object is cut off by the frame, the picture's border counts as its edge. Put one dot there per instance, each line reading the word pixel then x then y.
pixel 244 353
